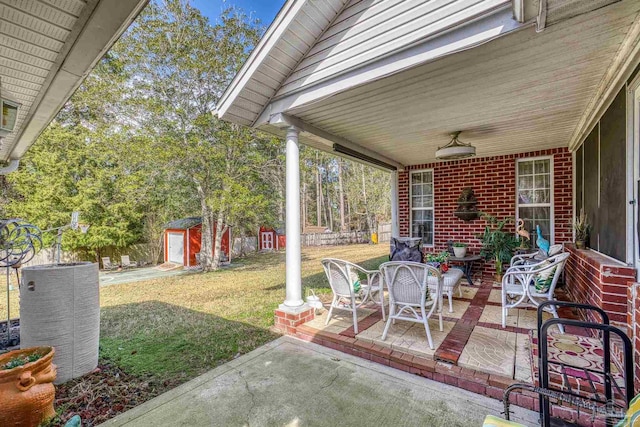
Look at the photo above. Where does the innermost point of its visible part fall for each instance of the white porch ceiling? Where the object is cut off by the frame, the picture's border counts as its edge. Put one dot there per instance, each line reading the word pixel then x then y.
pixel 47 48
pixel 525 91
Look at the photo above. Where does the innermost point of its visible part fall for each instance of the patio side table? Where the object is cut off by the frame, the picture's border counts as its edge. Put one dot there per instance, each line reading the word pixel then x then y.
pixel 467 265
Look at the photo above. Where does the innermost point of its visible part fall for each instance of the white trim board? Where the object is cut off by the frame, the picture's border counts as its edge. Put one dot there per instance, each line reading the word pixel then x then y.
pixel 432 209
pixel 551 203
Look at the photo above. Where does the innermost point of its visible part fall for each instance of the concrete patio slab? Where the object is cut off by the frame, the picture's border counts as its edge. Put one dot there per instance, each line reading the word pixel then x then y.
pixel 467 292
pixel 493 350
pixel 341 320
pixel 294 383
pixel 108 278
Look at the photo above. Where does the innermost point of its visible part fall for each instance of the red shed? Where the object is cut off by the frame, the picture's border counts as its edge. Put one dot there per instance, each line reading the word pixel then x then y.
pixel 183 240
pixel 270 239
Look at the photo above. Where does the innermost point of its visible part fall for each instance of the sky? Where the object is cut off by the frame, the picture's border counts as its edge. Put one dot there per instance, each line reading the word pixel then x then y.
pixel 265 10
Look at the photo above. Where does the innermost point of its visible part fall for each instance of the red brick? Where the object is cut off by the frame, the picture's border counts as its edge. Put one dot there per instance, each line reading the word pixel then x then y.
pixel 424 364
pixel 525 401
pixel 500 381
pixel 495 392
pixel 380 360
pixel 363 344
pixel 400 366
pixel 396 356
pixel 471 386
pixel 564 413
pixel 450 379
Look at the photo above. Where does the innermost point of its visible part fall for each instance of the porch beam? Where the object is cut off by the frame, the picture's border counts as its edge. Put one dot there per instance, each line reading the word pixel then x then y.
pixel 618 73
pixel 282 120
pixel 293 298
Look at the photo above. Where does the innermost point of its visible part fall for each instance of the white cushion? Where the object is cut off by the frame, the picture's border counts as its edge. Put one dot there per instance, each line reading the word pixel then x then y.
pixel 450 279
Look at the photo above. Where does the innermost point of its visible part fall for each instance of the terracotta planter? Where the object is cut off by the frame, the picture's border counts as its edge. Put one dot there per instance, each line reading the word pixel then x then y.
pixel 27 391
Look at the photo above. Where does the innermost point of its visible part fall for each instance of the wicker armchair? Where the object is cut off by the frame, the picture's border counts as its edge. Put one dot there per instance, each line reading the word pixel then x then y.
pixel 343 277
pixel 410 298
pixel 532 283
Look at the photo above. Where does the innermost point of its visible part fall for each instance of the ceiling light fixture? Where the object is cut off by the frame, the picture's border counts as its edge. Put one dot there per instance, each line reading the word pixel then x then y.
pixel 455 149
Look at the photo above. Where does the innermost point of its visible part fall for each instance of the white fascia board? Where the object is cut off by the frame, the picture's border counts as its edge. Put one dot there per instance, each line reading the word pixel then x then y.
pixel 465 36
pixel 101 23
pixel 285 120
pixel 275 31
pixel 625 61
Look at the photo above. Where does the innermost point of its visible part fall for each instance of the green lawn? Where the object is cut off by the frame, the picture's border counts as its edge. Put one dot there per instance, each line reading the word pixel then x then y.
pixel 176 328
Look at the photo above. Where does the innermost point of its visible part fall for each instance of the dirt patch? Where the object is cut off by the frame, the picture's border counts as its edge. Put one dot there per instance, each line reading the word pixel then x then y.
pixel 103 394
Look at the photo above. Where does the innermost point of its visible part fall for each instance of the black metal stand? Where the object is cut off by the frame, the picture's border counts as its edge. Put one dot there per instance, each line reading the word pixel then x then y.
pixel 596 402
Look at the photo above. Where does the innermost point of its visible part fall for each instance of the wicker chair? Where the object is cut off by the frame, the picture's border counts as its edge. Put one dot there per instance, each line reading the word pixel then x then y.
pixel 342 276
pixel 536 257
pixel 410 298
pixel 519 284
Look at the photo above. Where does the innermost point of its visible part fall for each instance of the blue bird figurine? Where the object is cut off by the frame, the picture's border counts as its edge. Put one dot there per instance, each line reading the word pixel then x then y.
pixel 543 244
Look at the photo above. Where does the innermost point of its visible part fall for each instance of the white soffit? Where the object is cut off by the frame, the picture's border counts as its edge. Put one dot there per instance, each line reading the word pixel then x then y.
pixel 311 42
pixel 522 92
pixel 47 48
pixel 289 37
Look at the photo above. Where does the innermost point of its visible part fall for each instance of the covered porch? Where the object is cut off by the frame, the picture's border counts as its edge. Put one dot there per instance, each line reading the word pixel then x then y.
pixel 547 96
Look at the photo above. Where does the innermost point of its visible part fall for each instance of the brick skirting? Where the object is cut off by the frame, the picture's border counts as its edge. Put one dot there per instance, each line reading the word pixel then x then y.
pixel 595 279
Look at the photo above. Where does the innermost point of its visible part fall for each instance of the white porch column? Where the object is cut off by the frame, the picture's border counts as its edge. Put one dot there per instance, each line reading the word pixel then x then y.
pixel 293 297
pixel 395 224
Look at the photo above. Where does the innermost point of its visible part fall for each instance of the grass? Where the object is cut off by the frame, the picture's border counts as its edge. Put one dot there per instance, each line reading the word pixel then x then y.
pixel 176 328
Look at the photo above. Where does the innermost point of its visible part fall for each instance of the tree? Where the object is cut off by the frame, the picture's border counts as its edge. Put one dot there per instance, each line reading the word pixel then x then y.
pixel 180 66
pixel 73 169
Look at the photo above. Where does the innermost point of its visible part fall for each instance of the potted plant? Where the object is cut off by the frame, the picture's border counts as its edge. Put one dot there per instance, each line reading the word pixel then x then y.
pixel 581 227
pixel 26 386
pixel 497 243
pixel 460 249
pixel 438 260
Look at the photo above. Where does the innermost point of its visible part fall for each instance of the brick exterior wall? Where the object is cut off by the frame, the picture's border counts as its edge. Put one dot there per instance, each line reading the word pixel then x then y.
pixel 493 180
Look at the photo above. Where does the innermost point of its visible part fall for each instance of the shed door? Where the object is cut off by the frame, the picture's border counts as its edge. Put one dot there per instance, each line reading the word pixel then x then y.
pixel 267 240
pixel 176 248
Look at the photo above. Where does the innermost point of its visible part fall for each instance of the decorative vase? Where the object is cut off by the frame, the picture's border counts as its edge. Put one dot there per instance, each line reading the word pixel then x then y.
pixel 27 391
pixel 460 252
pixel 580 244
pixel 57 299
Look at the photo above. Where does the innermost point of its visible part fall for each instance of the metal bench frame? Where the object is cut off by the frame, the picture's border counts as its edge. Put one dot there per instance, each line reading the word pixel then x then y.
pixel 595 404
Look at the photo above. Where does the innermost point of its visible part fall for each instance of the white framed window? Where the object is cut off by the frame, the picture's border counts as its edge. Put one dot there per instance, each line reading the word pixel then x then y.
pixel 421 199
pixel 534 196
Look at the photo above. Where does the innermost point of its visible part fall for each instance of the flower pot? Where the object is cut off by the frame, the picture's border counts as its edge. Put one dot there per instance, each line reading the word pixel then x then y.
pixel 435 264
pixel 460 252
pixel 580 244
pixel 27 391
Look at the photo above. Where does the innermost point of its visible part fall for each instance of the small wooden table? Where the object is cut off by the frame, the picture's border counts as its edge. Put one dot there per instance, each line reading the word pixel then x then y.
pixel 467 265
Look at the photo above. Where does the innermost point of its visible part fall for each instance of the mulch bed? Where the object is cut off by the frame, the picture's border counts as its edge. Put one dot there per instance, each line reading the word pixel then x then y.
pixel 103 394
